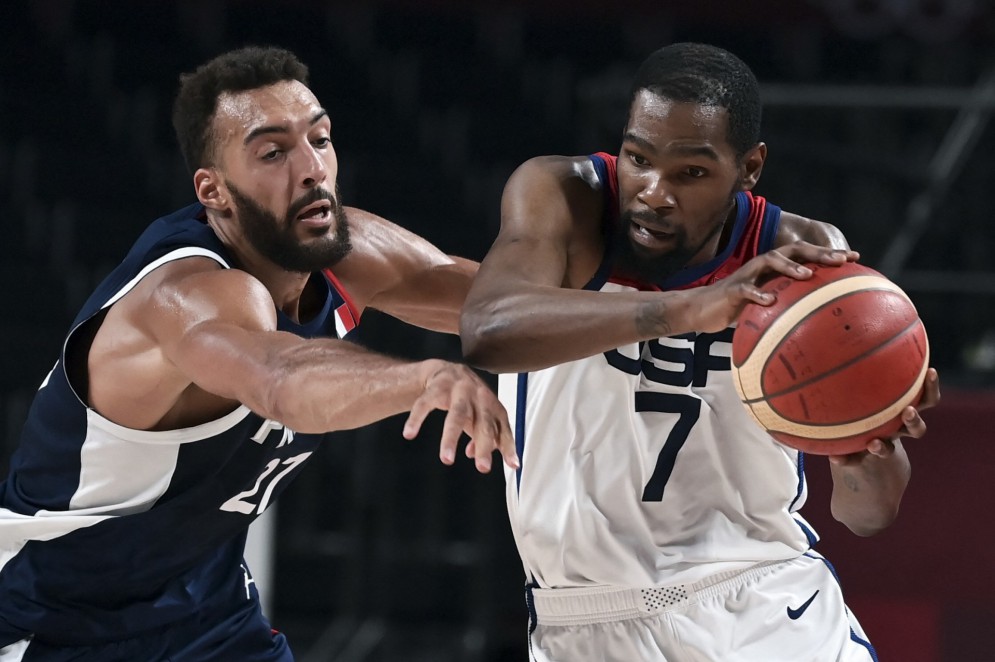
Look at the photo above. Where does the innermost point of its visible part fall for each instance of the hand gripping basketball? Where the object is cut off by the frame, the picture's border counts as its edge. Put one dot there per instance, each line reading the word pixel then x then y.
pixel 834 363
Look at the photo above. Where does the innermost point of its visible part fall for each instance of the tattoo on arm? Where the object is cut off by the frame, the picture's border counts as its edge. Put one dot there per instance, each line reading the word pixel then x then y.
pixel 851 482
pixel 651 320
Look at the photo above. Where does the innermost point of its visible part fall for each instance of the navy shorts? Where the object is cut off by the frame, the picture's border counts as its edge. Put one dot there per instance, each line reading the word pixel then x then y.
pixel 241 634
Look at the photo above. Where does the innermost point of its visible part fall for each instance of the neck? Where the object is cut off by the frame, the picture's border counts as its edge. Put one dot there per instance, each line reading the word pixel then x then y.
pixel 286 287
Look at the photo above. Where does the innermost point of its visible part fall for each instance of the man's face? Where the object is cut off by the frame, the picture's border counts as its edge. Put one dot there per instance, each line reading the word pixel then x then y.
pixel 678 177
pixel 277 240
pixel 277 163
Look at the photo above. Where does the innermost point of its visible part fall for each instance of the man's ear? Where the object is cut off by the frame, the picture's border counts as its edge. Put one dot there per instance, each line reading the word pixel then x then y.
pixel 752 165
pixel 210 189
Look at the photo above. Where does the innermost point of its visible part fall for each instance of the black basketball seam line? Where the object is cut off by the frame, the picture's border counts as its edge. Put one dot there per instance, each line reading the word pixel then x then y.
pixel 836 298
pixel 837 368
pixel 830 372
pixel 827 425
pixel 763 368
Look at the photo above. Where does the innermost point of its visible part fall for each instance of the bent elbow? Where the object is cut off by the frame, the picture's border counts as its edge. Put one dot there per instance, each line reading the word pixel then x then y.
pixel 867 524
pixel 480 341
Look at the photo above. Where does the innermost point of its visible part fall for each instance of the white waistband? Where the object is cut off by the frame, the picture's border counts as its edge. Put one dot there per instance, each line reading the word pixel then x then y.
pixel 604 604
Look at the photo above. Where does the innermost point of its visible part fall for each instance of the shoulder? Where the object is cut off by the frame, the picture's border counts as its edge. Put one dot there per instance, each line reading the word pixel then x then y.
pixel 794 227
pixel 574 174
pixel 198 288
pixel 554 196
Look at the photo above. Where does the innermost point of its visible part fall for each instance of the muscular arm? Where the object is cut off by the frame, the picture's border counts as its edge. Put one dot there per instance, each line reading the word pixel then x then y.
pixel 399 273
pixel 196 337
pixel 867 486
pixel 524 311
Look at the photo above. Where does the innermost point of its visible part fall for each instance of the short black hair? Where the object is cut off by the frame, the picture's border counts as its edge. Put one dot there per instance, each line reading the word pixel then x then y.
pixel 709 76
pixel 247 68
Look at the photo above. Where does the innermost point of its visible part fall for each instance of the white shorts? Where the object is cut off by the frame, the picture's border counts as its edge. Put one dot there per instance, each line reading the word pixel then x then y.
pixel 787 611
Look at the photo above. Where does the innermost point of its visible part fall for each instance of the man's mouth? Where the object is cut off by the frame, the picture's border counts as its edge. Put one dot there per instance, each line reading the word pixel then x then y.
pixel 317 212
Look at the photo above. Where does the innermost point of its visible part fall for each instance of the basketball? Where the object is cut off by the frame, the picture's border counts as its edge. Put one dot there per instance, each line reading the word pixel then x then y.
pixel 833 362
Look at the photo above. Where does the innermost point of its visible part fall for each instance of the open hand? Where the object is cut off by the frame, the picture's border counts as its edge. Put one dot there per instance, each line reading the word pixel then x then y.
pixel 471 407
pixel 718 305
pixel 912 425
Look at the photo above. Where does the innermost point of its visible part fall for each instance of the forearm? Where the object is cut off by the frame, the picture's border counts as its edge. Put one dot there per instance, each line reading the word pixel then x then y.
pixel 867 494
pixel 538 326
pixel 334 385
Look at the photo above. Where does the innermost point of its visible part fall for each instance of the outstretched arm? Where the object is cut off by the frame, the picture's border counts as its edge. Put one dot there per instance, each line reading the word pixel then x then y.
pixel 210 331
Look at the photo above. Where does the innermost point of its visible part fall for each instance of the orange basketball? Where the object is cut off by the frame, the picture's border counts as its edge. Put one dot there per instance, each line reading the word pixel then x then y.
pixel 833 362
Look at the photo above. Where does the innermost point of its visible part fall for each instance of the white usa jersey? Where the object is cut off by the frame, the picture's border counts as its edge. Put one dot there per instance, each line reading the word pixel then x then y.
pixel 640 467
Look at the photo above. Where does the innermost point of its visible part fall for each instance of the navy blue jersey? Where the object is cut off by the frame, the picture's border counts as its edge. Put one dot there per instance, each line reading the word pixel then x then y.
pixel 107 532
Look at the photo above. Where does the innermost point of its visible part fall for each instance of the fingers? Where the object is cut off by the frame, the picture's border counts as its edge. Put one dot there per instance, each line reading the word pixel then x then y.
pixel 459 418
pixel 507 445
pixel 912 424
pixel 419 410
pixel 493 433
pixel 881 448
pixel 471 408
pixel 789 260
pixel 802 251
pixel 931 390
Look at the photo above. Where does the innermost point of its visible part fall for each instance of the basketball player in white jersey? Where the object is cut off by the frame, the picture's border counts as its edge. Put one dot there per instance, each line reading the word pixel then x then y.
pixel 655 520
pixel 202 374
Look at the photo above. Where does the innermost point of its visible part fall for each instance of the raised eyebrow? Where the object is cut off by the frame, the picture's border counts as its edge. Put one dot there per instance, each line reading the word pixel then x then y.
pixel 279 128
pixel 704 151
pixel 640 142
pixel 695 150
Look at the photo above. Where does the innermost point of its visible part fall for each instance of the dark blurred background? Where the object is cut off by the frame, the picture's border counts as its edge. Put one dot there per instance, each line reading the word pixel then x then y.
pixel 877 116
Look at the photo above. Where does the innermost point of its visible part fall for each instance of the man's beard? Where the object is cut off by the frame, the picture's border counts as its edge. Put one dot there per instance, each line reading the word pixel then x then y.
pixel 631 261
pixel 276 240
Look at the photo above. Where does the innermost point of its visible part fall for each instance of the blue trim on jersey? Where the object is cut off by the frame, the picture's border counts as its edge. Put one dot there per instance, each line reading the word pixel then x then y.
pixel 522 401
pixel 801 481
pixel 317 326
pixel 768 229
pixel 604 271
pixel 601 168
pixel 854 637
pixel 691 274
pixel 600 277
pixel 530 604
pixel 809 533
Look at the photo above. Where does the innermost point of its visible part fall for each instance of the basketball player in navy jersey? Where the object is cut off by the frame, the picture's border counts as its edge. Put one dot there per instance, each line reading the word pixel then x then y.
pixel 654 519
pixel 200 377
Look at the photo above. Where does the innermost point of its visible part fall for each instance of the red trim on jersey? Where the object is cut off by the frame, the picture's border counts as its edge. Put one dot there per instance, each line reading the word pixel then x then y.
pixel 345 316
pixel 747 241
pixel 354 313
pixel 744 250
pixel 633 283
pixel 610 160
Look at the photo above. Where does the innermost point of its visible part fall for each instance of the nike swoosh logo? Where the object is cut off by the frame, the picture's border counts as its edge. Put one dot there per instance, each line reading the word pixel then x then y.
pixel 795 614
